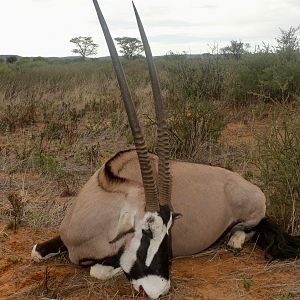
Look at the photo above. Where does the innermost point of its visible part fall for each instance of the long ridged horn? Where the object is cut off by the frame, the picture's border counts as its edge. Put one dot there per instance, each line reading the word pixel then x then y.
pixel 163 148
pixel 151 193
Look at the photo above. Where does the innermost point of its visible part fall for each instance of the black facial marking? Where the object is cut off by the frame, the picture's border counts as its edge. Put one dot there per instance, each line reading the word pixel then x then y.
pixel 148 233
pixel 165 214
pixel 160 262
pixel 54 245
pixel 139 268
pixel 113 261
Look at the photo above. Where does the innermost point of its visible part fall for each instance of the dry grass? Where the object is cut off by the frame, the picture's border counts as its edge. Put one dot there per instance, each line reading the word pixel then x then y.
pixel 59 123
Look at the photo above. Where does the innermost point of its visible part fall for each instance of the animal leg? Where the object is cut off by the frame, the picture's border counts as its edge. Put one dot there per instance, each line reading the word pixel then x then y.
pixel 48 249
pixel 103 272
pixel 238 238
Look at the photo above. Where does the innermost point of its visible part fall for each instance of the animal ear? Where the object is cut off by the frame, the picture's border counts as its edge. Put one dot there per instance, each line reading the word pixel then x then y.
pixel 176 216
pixel 125 226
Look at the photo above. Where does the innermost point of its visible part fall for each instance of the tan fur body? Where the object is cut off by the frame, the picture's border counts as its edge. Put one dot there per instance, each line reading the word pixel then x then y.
pixel 210 199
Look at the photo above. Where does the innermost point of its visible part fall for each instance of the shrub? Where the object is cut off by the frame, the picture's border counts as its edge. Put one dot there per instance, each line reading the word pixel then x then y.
pixel 45 163
pixel 278 161
pixel 5 69
pixel 264 76
pixel 194 129
pixel 195 121
pixel 17 115
pixel 195 77
pixel 17 205
pixel 11 59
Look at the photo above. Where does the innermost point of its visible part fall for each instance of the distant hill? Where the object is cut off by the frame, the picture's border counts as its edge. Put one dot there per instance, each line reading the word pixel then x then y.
pixel 5 56
pixel 68 58
pixel 52 58
pixel 74 58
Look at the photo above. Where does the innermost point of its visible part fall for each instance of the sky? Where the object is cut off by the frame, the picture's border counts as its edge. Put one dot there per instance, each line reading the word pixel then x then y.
pixel 45 27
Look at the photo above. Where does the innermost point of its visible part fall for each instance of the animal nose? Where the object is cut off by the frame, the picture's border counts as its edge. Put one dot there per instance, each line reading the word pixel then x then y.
pixel 153 285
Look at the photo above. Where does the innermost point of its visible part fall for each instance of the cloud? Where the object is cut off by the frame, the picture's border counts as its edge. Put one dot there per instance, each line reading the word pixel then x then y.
pixel 172 23
pixel 174 39
pixel 295 3
pixel 44 27
pixel 208 6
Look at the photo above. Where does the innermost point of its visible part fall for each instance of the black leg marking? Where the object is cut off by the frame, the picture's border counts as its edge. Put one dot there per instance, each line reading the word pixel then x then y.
pixel 47 249
pixel 113 261
pixel 54 245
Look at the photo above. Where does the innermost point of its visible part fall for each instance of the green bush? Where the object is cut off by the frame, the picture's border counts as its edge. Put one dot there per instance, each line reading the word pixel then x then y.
pixel 278 161
pixel 194 128
pixel 5 69
pixel 45 163
pixel 266 77
pixel 195 121
pixel 11 59
pixel 195 77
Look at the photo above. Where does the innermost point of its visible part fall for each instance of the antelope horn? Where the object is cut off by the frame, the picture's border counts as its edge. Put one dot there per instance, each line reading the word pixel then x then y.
pixel 163 148
pixel 151 193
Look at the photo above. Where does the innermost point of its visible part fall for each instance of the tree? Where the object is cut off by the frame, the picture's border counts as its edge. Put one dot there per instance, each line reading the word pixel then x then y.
pixel 130 47
pixel 11 59
pixel 84 46
pixel 235 49
pixel 288 42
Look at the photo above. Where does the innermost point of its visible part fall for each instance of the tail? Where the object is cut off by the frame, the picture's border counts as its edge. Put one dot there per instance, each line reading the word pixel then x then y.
pixel 276 243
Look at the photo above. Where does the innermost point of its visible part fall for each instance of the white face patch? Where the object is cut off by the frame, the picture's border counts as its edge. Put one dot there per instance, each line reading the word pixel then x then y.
pixel 154 286
pixel 159 231
pixel 128 258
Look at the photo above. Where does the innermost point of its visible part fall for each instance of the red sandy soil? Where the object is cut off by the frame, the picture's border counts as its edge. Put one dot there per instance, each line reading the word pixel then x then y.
pixel 216 274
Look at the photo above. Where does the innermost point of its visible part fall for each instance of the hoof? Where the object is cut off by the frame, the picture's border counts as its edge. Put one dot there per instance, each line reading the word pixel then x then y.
pixel 104 272
pixel 234 251
pixel 237 240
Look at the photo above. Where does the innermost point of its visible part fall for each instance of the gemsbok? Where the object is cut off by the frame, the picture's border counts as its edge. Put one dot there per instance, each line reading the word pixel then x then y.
pixel 122 217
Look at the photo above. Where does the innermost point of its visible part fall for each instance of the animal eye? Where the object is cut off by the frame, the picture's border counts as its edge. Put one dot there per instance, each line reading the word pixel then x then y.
pixel 150 220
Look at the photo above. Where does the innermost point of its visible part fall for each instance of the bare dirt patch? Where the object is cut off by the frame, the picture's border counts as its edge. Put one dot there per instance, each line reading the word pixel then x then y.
pixel 214 274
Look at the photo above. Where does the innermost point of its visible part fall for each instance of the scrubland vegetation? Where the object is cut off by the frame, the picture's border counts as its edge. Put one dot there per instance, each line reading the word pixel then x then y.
pixel 59 121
